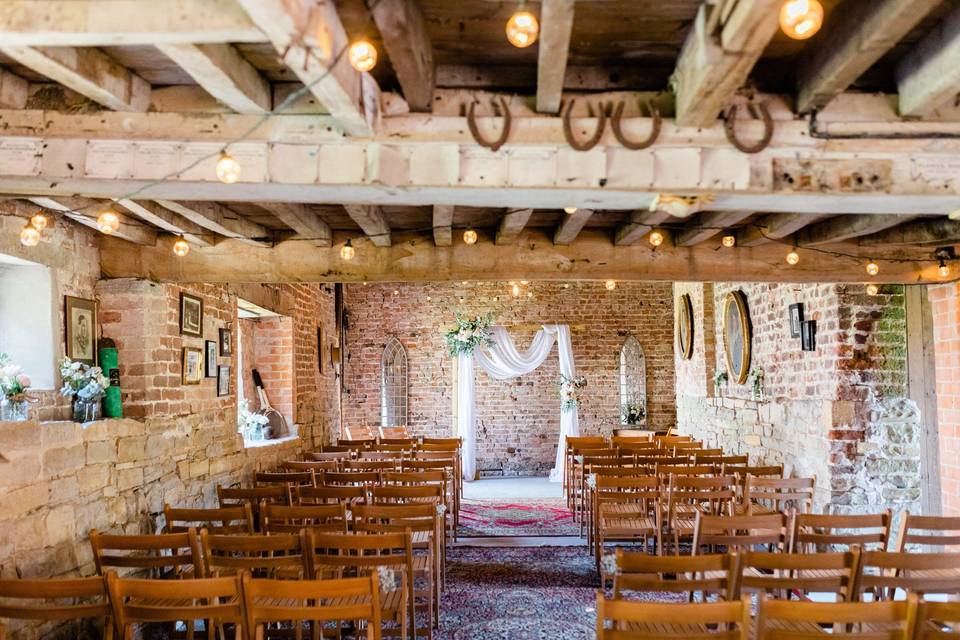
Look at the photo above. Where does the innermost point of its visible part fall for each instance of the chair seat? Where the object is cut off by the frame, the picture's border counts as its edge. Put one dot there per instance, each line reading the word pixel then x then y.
pixel 627 527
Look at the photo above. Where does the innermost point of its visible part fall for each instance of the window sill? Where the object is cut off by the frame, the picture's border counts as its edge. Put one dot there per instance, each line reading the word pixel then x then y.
pixel 255 444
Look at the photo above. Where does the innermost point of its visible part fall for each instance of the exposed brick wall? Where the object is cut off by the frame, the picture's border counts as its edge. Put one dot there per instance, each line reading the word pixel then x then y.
pixel 244 342
pixel 273 358
pixel 945 300
pixel 518 420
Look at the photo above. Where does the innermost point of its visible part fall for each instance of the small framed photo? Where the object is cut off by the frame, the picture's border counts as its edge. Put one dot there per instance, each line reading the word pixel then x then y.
pixel 191 315
pixel 808 337
pixel 81 330
pixel 796 319
pixel 226 342
pixel 320 348
pixel 210 358
pixel 191 371
pixel 223 380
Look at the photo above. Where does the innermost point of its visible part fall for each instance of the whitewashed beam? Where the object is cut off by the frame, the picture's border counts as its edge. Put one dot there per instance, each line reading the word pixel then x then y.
pixel 313 43
pixel 709 225
pixel 712 67
pixel 848 227
pixel 224 74
pixel 443 225
pixel 89 72
pixel 773 227
pixel 929 76
pixel 86 211
pixel 13 91
pixel 640 224
pixel 166 220
pixel 853 40
pixel 556 26
pixel 301 219
pixel 930 231
pixel 511 226
pixel 95 23
pixel 219 219
pixel 571 225
pixel 405 38
pixel 374 223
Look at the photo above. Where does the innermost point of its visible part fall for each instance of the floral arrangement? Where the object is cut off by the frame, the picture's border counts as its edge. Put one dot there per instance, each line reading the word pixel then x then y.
pixel 756 380
pixel 82 382
pixel 469 334
pixel 13 381
pixel 250 423
pixel 720 378
pixel 570 390
pixel 632 413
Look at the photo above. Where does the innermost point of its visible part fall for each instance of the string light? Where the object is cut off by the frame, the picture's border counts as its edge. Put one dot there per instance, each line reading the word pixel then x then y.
pixel 181 248
pixel 108 222
pixel 522 29
pixel 873 268
pixel 610 285
pixel 470 236
pixel 729 241
pixel 363 55
pixel 943 269
pixel 228 169
pixel 39 221
pixel 515 290
pixel 347 251
pixel 656 238
pixel 524 282
pixel 29 236
pixel 396 292
pixel 801 19
pixel 872 289
pixel 793 257
pixel 570 210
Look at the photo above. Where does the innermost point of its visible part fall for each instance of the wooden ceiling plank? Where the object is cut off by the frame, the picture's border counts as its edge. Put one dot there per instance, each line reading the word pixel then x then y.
pixel 335 83
pixel 404 32
pixel 640 224
pixel 218 219
pixel 86 211
pixel 709 225
pixel 843 228
pixel 299 217
pixel 918 232
pixel 556 26
pixel 168 221
pixel 929 76
pixel 443 225
pixel 710 70
pixel 224 74
pixel 775 226
pixel 571 225
pixel 372 220
pixel 13 91
pixel 511 225
pixel 89 72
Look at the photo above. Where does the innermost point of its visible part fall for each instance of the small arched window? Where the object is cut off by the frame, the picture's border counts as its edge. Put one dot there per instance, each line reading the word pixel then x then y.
pixel 633 383
pixel 393 385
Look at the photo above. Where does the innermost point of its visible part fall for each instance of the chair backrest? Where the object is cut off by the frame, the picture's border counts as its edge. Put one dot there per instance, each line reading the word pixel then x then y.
pixel 326 494
pixel 283 555
pixel 223 520
pixel 928 531
pixel 238 496
pixel 721 459
pixel 621 440
pixel 361 433
pixel 319 517
pixel 741 532
pixel 261 478
pixel 631 620
pixel 57 599
pixel 779 494
pixel 399 431
pixel 386 452
pixel 937 621
pixel 638 571
pixel 714 494
pixel 615 488
pixel 310 465
pixel 440 444
pixel 427 476
pixel 781 575
pixel 387 518
pixel 395 494
pixel 405 441
pixel 665 470
pixel 668 459
pixel 889 620
pixel 349 478
pixel 327 455
pixel 444 441
pixel 357 444
pixel 743 470
pixel 883 572
pixel 343 450
pixel 166 555
pixel 585 442
pixel 391 464
pixel 703 453
pixel 669 441
pixel 814 532
pixel 319 601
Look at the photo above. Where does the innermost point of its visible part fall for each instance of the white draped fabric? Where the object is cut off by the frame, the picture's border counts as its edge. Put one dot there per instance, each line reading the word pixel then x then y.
pixel 502 361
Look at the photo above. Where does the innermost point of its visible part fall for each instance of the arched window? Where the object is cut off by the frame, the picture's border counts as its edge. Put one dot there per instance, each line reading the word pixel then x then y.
pixel 393 385
pixel 633 383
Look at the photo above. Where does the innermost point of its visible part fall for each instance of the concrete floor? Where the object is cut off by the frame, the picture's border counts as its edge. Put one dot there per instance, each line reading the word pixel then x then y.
pixel 509 488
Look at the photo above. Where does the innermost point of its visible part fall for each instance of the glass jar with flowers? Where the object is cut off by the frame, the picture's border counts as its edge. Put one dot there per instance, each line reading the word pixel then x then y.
pixel 86 385
pixel 14 399
pixel 249 423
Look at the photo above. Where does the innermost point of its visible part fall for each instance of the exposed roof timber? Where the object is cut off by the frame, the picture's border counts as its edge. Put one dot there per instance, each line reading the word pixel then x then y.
pixel 169 221
pixel 13 91
pixel 224 74
pixel 443 225
pixel 556 26
pixel 570 226
pixel 88 72
pixel 86 211
pixel 405 38
pixel 511 225
pixel 576 77
pixel 929 76
pixel 847 227
pixel 773 227
pixel 332 80
pixel 219 219
pixel 641 223
pixel 856 37
pixel 930 231
pixel 299 217
pixel 370 218
pixel 708 225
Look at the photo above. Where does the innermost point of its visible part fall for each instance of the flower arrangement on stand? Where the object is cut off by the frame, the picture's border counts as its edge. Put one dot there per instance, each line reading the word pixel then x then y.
pixel 756 381
pixel 632 413
pixel 570 391
pixel 469 334
pixel 249 423
pixel 86 385
pixel 15 402
pixel 720 379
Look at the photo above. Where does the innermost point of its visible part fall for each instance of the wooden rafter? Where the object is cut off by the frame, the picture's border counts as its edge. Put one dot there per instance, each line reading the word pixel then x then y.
pixel 443 225
pixel 640 224
pixel 929 76
pixel 709 225
pixel 848 227
pixel 929 231
pixel 167 220
pixel 13 91
pixel 405 38
pixel 308 225
pixel 571 224
pixel 773 227
pixel 372 220
pixel 556 26
pixel 511 225
pixel 86 211
pixel 219 219
pixel 224 74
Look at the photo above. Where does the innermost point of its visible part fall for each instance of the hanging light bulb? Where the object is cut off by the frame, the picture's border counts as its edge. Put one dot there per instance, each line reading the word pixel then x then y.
pixel 108 222
pixel 39 221
pixel 873 268
pixel 524 282
pixel 228 169
pixel 396 292
pixel 610 285
pixel 470 236
pixel 29 236
pixel 801 19
pixel 363 55
pixel 656 238
pixel 347 251
pixel 515 290
pixel 943 269
pixel 522 29
pixel 570 210
pixel 793 257
pixel 729 241
pixel 872 289
pixel 181 248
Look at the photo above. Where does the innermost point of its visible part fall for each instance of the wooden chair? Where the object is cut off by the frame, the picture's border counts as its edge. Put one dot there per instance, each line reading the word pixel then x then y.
pixel 344 451
pixel 273 556
pixel 718 460
pixel 741 532
pixel 288 478
pixel 326 518
pixel 665 470
pixel 629 620
pixel 314 601
pixel 702 453
pixel 382 451
pixel 168 555
pixel 776 495
pixel 137 601
pixel 361 433
pixel 349 478
pixel 399 431
pixel 882 573
pixel 406 441
pixel 814 532
pixel 779 619
pixel 581 469
pixel 578 445
pixel 358 444
pixel 929 532
pixel 238 496
pixel 328 455
pixel 627 510
pixel 709 576
pixel 310 465
pixel 452 481
pixel 686 496
pixel 937 621
pixel 56 600
pixel 782 575
pixel 363 464
pixel 330 494
pixel 231 519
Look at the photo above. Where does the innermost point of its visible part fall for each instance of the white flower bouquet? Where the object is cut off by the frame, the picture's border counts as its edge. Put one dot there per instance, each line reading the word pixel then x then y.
pixel 82 382
pixel 570 391
pixel 469 334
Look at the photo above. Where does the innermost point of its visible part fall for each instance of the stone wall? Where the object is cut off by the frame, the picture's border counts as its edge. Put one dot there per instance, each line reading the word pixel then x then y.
pixel 518 420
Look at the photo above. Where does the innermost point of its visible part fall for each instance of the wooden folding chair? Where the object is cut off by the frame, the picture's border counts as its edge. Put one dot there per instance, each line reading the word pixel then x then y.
pixel 786 575
pixel 629 620
pixel 451 480
pixel 719 460
pixel 364 464
pixel 882 573
pixel 707 577
pixel 360 433
pixel 224 520
pixel 686 496
pixel 740 532
pixel 166 555
pixel 326 518
pixel 331 494
pixel 578 445
pixel 406 441
pixel 274 556
pixel 937 621
pixel 289 478
pixel 310 465
pixel 929 532
pixel 396 432
pixel 56 600
pixel 777 495
pixel 813 532
pixel 805 620
pixel 627 510
pixel 238 496
pixel 328 455
pixel 349 478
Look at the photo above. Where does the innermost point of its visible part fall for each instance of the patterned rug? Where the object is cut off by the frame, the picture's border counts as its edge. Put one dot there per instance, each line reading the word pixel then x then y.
pixel 532 517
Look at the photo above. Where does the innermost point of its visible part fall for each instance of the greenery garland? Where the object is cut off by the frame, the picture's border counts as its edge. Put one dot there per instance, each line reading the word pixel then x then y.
pixel 469 334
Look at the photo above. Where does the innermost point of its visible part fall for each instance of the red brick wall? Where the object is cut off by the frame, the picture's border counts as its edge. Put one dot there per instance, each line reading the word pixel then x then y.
pixel 945 300
pixel 518 420
pixel 273 358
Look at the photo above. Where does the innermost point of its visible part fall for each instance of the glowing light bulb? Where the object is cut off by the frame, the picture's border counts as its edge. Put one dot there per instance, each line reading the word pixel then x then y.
pixel 108 222
pixel 39 221
pixel 729 241
pixel 363 55
pixel 793 258
pixel 515 290
pixel 470 236
pixel 29 236
pixel 228 169
pixel 396 292
pixel 522 29
pixel 570 210
pixel 873 268
pixel 610 285
pixel 656 238
pixel 872 289
pixel 347 251
pixel 801 19
pixel 181 247
pixel 943 269
pixel 524 282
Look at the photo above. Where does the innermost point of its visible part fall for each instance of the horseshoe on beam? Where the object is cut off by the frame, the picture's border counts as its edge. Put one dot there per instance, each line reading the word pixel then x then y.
pixel 475 130
pixel 630 144
pixel 729 123
pixel 591 142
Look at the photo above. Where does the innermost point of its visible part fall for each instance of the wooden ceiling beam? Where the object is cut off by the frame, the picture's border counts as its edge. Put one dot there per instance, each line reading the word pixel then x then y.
pixel 372 220
pixel 929 231
pixel 86 211
pixel 929 76
pixel 640 224
pixel 571 225
pixel 713 66
pixel 167 220
pixel 219 219
pixel 556 26
pixel 854 39
pixel 443 225
pixel 844 228
pixel 405 38
pixel 89 72
pixel 13 91
pixel 290 25
pixel 773 227
pixel 224 74
pixel 709 225
pixel 300 218
pixel 511 225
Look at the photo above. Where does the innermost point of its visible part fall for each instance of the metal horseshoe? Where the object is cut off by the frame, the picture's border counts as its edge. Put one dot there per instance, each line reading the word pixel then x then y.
pixel 593 140
pixel 729 122
pixel 630 144
pixel 475 131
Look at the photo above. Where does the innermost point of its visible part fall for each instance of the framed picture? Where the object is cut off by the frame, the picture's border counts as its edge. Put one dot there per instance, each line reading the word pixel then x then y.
pixel 808 335
pixel 191 315
pixel 320 347
pixel 210 358
pixel 81 330
pixel 737 336
pixel 685 327
pixel 191 371
pixel 226 342
pixel 223 380
pixel 796 319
